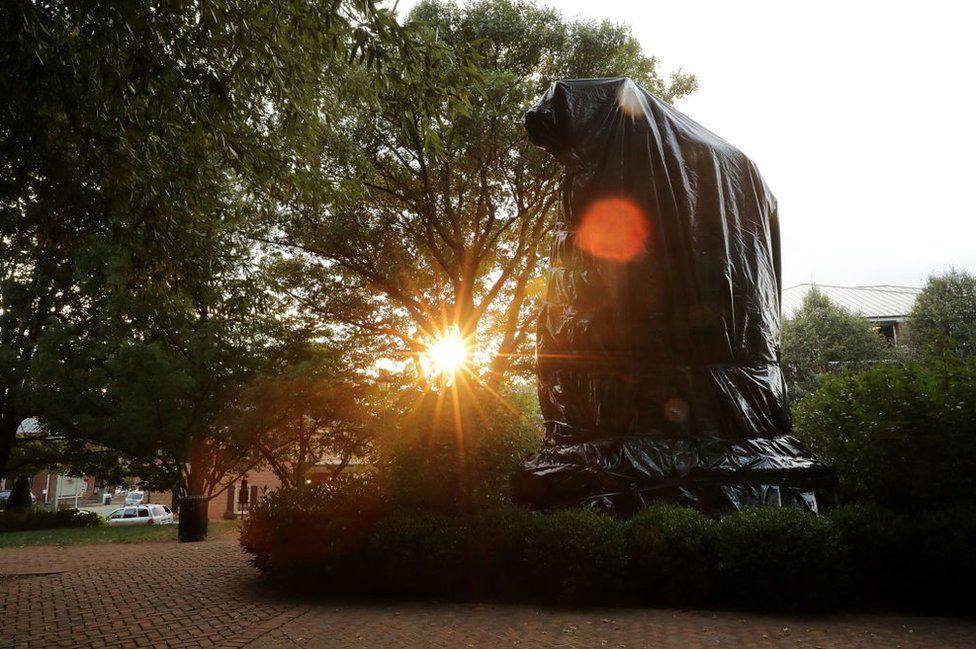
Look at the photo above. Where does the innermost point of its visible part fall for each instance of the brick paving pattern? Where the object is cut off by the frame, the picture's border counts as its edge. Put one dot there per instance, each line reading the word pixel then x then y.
pixel 205 595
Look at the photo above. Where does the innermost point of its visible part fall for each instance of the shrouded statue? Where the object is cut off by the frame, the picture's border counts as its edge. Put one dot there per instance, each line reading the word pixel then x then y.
pixel 658 343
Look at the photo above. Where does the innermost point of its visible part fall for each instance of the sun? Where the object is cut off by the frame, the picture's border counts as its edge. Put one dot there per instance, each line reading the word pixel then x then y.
pixel 448 353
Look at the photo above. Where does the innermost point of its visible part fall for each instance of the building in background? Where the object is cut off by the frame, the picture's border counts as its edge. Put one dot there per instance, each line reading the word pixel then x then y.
pixel 886 307
pixel 48 486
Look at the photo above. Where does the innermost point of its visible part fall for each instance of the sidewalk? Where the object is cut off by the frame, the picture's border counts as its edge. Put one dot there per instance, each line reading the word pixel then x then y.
pixel 206 595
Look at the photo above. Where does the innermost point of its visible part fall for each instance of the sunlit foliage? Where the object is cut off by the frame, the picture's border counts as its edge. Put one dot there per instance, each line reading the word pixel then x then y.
pixel 413 222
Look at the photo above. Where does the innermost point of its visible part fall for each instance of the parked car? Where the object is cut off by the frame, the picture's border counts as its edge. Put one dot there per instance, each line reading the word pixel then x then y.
pixel 141 515
pixel 134 497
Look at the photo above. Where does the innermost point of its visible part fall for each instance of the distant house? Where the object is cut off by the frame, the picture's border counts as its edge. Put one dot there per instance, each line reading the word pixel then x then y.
pixel 886 307
pixel 260 482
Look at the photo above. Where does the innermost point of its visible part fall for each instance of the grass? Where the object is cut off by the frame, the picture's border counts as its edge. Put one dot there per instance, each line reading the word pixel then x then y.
pixel 106 534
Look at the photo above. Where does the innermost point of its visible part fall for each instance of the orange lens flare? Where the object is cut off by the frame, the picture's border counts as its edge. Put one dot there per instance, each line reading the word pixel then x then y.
pixel 613 229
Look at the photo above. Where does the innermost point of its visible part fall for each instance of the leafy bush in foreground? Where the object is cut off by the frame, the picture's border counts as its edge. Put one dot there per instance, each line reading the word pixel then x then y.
pixel 496 547
pixel 418 553
pixel 900 436
pixel 673 555
pixel 424 465
pixel 941 560
pixel 781 557
pixel 576 555
pixel 878 542
pixel 926 561
pixel 316 531
pixel 767 558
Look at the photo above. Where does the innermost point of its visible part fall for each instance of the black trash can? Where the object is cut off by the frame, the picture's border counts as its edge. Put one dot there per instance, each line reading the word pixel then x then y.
pixel 193 518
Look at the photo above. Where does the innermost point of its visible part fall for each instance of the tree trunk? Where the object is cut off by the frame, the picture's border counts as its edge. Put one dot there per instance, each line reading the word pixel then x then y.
pixel 195 505
pixel 8 437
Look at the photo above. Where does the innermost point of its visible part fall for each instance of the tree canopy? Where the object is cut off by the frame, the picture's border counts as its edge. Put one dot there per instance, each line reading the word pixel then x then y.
pixel 316 409
pixel 823 338
pixel 138 143
pixel 410 225
pixel 944 315
pixel 195 196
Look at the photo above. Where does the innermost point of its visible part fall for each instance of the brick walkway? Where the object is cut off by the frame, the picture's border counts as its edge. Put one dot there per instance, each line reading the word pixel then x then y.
pixel 205 595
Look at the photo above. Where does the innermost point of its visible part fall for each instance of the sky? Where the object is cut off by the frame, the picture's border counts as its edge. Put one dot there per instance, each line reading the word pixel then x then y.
pixel 861 116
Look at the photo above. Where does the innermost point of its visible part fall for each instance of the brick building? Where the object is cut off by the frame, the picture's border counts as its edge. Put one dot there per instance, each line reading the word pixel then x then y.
pixel 227 504
pixel 84 490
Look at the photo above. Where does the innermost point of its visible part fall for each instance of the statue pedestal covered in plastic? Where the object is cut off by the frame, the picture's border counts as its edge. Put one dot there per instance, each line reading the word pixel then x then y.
pixel 658 342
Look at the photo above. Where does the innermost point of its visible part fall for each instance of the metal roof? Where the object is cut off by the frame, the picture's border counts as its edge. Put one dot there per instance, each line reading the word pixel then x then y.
pixel 873 302
pixel 29 427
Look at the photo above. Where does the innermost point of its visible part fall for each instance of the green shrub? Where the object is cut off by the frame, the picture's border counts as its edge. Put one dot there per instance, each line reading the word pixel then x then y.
pixel 316 532
pixel 673 555
pixel 759 558
pixel 419 553
pixel 425 474
pixel 900 436
pixel 576 555
pixel 941 560
pixel 424 462
pixel 496 545
pixel 879 546
pixel 781 558
pixel 41 519
pixel 344 539
pixel 513 432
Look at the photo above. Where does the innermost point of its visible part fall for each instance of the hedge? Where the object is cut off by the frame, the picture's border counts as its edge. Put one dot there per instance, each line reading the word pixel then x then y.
pixel 765 558
pixel 574 556
pixel 40 519
pixel 781 557
pixel 673 555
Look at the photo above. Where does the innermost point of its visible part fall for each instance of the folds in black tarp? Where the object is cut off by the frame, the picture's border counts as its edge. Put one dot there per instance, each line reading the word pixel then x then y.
pixel 658 342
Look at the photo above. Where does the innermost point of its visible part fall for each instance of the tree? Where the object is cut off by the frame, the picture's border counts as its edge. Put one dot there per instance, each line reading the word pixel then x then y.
pixel 46 449
pixel 316 408
pixel 130 133
pixel 162 399
pixel 822 338
pixel 417 224
pixel 20 495
pixel 944 315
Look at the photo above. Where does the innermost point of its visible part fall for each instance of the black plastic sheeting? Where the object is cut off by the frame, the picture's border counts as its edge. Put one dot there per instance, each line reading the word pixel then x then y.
pixel 658 342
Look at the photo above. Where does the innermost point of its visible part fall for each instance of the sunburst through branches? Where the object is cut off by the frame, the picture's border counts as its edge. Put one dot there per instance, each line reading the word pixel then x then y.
pixel 447 355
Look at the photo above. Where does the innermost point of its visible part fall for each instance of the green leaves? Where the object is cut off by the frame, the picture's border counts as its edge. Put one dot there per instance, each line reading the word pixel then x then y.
pixel 898 435
pixel 144 145
pixel 823 338
pixel 944 316
pixel 312 408
pixel 423 207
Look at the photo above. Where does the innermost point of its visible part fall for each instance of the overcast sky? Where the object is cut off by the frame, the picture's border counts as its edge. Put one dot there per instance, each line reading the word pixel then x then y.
pixel 860 116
